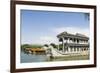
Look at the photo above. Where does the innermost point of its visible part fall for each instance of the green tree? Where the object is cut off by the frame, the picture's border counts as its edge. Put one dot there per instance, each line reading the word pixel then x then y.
pixel 24 46
pixel 46 45
pixel 54 46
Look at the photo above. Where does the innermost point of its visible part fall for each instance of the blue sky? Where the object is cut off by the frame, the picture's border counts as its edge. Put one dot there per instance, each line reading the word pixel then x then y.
pixel 40 27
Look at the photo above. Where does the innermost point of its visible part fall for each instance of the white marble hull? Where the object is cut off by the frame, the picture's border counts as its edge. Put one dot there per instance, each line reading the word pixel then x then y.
pixel 56 53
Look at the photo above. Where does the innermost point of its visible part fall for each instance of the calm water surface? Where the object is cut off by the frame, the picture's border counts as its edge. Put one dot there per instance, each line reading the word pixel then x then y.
pixel 28 58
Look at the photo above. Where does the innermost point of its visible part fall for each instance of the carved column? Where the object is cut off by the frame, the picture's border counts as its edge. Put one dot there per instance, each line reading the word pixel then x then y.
pixel 58 44
pixel 63 43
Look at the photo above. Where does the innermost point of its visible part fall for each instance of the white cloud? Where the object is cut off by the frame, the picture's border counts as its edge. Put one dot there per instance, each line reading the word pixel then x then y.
pixel 48 39
pixel 51 38
pixel 72 30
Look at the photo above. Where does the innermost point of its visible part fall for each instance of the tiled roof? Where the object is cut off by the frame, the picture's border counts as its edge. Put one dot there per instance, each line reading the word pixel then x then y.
pixel 68 35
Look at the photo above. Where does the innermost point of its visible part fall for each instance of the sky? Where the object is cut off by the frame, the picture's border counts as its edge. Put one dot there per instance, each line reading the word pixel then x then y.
pixel 42 27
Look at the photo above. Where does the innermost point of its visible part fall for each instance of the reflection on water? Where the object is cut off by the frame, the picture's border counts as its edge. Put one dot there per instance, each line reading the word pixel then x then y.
pixel 25 58
pixel 28 58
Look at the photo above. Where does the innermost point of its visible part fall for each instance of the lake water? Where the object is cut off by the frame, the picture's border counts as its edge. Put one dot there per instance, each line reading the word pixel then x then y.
pixel 29 58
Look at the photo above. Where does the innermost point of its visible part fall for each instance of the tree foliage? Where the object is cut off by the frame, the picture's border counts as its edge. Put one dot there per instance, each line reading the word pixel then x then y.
pixel 24 46
pixel 54 45
pixel 46 45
